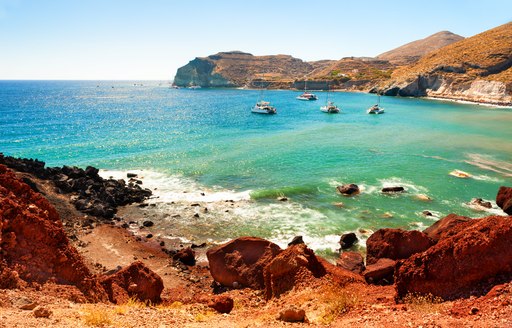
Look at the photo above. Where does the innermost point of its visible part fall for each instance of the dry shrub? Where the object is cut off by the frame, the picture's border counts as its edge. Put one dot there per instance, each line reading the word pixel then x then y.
pixel 97 317
pixel 336 301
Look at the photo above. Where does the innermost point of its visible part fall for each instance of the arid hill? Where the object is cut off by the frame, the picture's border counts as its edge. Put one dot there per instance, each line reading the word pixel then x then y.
pixel 411 52
pixel 477 69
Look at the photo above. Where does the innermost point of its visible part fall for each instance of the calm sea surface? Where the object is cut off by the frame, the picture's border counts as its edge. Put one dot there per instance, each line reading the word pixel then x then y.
pixel 207 140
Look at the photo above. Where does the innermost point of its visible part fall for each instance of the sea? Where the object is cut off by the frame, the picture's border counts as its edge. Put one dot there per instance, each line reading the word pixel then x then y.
pixel 204 147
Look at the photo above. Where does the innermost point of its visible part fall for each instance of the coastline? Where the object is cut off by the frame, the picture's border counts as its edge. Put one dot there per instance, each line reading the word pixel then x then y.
pixel 468 102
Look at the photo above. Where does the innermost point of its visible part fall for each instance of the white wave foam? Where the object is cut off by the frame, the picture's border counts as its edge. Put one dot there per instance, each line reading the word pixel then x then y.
pixel 490 164
pixel 172 188
pixel 494 210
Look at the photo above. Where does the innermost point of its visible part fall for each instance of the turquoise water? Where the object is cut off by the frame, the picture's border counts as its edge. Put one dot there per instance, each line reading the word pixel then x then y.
pixel 208 138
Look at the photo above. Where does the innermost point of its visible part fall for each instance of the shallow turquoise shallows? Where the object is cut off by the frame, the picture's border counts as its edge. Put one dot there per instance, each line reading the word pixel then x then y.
pixel 210 138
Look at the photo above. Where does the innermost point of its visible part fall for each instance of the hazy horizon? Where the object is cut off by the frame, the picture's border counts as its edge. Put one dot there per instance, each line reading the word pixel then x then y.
pixel 132 40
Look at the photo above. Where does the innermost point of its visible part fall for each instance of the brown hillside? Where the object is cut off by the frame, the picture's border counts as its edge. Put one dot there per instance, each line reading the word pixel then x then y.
pixel 413 51
pixel 474 69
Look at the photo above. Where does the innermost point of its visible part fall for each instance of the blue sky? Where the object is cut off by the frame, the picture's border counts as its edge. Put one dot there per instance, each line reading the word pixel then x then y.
pixel 150 39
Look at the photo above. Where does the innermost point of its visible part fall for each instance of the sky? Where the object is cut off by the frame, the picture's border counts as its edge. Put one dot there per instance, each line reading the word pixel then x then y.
pixel 151 39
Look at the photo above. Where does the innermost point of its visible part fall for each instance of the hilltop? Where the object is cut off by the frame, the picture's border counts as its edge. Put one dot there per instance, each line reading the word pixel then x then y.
pixel 411 52
pixel 477 69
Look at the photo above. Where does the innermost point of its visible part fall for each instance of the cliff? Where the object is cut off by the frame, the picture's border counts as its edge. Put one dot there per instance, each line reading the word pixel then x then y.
pixel 476 69
pixel 411 52
pixel 236 69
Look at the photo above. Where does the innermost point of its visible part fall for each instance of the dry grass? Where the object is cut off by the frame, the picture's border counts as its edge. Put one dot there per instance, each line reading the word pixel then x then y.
pixel 424 303
pixel 336 302
pixel 97 317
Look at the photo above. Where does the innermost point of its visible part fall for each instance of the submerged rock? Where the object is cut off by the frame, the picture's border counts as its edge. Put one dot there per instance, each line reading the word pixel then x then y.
pixel 480 202
pixel 392 189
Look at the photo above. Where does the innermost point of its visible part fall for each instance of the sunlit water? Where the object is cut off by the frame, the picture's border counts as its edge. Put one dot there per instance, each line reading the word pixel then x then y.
pixel 208 141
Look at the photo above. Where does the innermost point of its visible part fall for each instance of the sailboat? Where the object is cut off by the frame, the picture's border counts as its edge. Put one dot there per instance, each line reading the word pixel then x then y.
pixel 330 107
pixel 307 95
pixel 376 109
pixel 263 107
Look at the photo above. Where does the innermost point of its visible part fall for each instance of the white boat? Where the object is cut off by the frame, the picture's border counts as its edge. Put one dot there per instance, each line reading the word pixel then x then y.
pixel 330 108
pixel 376 109
pixel 307 95
pixel 263 107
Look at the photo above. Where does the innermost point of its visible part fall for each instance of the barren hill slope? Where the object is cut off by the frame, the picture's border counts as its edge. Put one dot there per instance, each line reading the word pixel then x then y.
pixel 478 69
pixel 413 51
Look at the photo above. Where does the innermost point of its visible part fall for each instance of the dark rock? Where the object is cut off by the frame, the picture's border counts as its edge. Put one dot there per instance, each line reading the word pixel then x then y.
pixel 241 260
pixel 348 189
pixel 148 223
pixel 149 236
pixel 395 244
pixel 31 184
pixel 198 246
pixel 352 261
pixel 91 171
pixel 185 256
pixel 296 240
pixel 469 262
pixel 504 199
pixel 131 175
pixel 427 213
pixel 392 189
pixel 347 240
pixel 480 202
pixel 282 199
pixel 444 227
pixel 380 272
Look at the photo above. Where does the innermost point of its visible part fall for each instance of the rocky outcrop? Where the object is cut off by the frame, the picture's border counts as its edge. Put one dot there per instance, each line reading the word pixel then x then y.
pixel 380 272
pixel 34 249
pixel 237 69
pixel 294 266
pixel 135 281
pixel 92 194
pixel 351 261
pixel 350 189
pixel 466 263
pixel 241 261
pixel 446 227
pixel 477 69
pixel 395 244
pixel 504 199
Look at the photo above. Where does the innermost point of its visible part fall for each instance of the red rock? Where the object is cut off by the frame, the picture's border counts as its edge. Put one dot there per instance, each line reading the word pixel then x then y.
pixel 445 227
pixel 292 315
pixel 221 304
pixel 241 261
pixel 395 244
pixel 186 256
pixel 294 266
pixel 352 261
pixel 381 272
pixel 34 242
pixel 504 199
pixel 469 262
pixel 136 280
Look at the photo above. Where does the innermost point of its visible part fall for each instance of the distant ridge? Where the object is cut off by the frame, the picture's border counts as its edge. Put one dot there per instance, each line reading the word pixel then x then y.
pixel 413 51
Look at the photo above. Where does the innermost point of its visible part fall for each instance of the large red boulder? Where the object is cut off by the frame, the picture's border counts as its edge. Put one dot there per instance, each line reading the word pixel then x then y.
pixel 395 244
pixel 294 266
pixel 446 227
pixel 135 280
pixel 504 199
pixel 241 261
pixel 468 262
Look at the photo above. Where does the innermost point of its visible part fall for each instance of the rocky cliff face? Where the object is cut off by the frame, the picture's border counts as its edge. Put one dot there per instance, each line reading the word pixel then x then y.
pixel 477 69
pixel 236 69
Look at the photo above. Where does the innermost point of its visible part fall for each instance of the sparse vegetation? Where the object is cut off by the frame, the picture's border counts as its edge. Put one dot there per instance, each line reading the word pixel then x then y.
pixel 423 303
pixel 97 317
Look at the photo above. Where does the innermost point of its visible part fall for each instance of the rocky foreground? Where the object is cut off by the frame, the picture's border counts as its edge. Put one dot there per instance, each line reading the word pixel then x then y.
pixel 456 273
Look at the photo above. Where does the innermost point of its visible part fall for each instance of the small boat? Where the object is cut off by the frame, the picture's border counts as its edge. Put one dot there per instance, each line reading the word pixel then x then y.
pixel 307 95
pixel 330 108
pixel 376 109
pixel 263 107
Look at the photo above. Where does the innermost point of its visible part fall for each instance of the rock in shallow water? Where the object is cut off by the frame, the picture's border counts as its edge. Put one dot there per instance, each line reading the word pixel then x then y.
pixel 348 189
